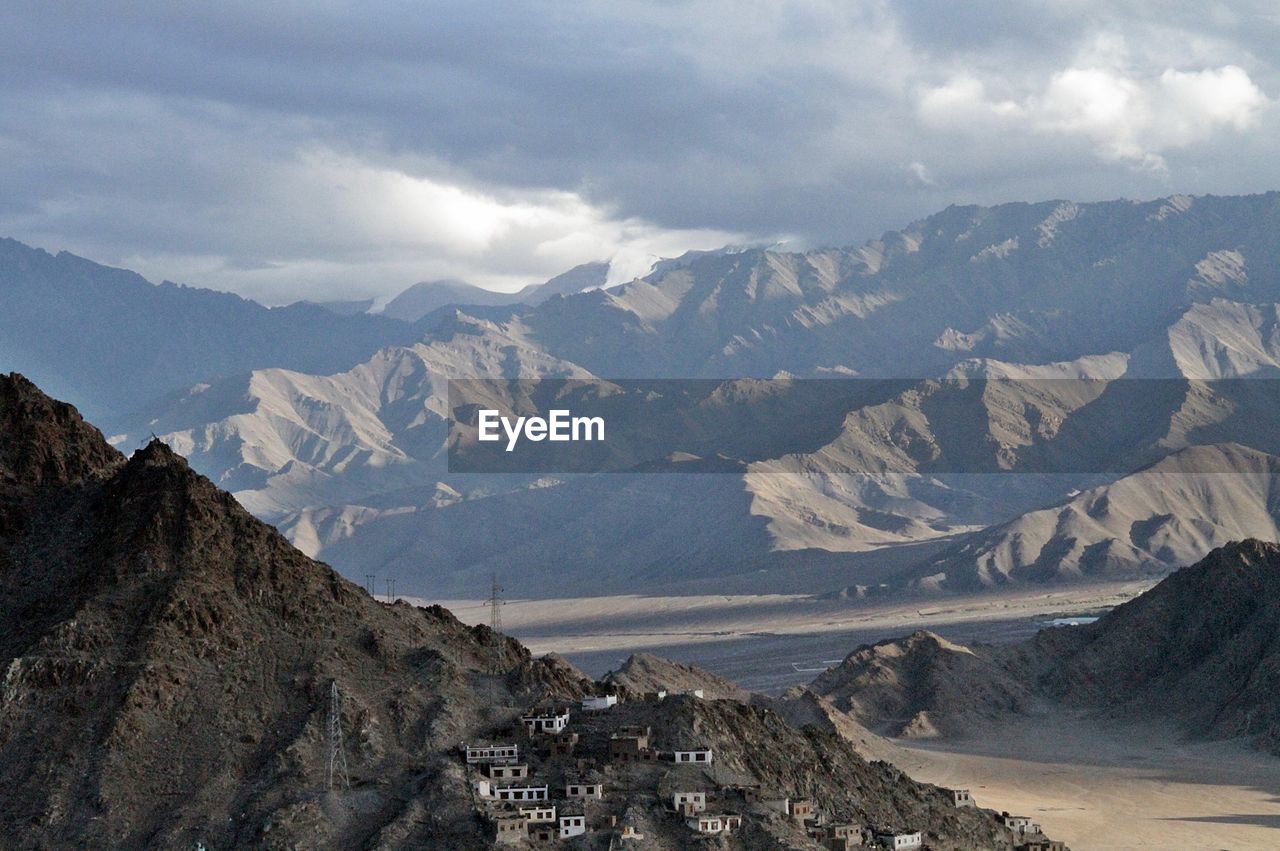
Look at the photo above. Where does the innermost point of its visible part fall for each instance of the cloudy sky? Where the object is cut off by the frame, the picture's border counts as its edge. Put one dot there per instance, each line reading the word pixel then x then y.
pixel 327 150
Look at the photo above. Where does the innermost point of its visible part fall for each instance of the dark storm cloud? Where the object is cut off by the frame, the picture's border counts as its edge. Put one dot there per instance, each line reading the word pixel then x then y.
pixel 209 141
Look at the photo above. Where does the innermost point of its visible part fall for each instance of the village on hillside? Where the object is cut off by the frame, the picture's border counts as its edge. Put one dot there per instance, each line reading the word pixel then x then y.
pixel 607 773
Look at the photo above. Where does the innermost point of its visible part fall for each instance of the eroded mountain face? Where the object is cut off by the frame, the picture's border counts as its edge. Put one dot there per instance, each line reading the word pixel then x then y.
pixel 350 465
pixel 168 660
pixel 169 663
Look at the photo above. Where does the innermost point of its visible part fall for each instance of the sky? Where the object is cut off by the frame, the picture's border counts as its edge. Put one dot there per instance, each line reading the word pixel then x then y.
pixel 330 150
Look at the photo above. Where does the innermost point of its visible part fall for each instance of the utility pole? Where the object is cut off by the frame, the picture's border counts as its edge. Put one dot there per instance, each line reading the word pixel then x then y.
pixel 337 753
pixel 495 623
pixel 391 590
pixel 369 584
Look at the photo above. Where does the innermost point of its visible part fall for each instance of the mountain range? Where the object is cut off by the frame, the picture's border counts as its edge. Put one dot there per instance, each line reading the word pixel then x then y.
pixel 429 296
pixel 177 675
pixel 1060 360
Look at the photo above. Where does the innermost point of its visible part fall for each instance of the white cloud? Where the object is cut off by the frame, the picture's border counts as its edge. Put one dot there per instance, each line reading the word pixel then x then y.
pixel 1126 115
pixel 397 228
pixel 921 173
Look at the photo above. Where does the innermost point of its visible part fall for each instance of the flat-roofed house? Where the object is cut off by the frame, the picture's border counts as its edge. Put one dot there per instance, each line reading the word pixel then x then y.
pixel 545 723
pixel 491 753
pixel 507 770
pixel 689 803
pixel 519 792
pixel 584 788
pixel 538 813
pixel 900 841
pixel 694 756
pixel 573 821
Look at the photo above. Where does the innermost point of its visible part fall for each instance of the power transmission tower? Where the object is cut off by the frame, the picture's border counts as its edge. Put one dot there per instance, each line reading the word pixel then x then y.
pixel 391 590
pixel 337 753
pixel 368 583
pixel 495 623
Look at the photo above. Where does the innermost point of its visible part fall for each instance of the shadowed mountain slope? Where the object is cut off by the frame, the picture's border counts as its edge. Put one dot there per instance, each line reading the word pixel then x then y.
pixel 169 663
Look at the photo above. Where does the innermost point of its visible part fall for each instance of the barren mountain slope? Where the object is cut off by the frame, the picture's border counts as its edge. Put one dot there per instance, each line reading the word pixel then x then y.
pixel 176 689
pixel 1151 521
pixel 169 660
pixel 1201 649
pixel 644 672
pixel 1203 646
pixel 923 686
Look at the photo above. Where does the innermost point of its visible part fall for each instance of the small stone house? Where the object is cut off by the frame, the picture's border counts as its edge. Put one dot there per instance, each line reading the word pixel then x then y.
pixel 589 788
pixel 563 744
pixel 631 744
pixel 511 828
pixel 507 770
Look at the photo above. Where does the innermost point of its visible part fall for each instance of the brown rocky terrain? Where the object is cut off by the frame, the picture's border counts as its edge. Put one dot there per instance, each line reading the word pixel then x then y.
pixel 1202 647
pixel 168 664
pixel 1199 649
pixel 644 672
pixel 922 686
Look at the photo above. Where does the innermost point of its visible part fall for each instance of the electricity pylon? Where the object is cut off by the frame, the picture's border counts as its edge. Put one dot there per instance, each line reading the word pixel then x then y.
pixel 337 753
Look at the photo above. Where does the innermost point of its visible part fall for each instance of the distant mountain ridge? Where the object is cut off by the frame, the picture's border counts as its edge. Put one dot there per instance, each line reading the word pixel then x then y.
pixel 115 342
pixel 348 460
pixel 427 297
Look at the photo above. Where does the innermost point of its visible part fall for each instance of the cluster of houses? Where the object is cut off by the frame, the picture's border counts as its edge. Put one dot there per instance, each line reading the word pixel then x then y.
pixel 570 798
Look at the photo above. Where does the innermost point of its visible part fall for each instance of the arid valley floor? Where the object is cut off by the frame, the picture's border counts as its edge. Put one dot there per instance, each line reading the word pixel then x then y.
pixel 1096 785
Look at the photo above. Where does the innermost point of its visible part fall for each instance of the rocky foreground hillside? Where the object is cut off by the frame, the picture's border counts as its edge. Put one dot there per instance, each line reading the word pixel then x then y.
pixel 1201 649
pixel 169 668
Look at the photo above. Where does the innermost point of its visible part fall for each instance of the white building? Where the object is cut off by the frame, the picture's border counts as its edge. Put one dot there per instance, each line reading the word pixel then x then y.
pixel 1021 825
pixel 538 814
pixel 899 841
pixel 520 792
pixel 581 790
pixel 962 798
pixel 492 753
pixel 599 704
pixel 696 801
pixel 572 825
pixel 546 723
pixel 706 823
pixel 700 756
